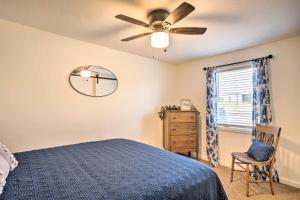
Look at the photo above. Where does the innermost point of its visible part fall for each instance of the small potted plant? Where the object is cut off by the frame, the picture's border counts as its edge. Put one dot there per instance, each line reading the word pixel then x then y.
pixel 163 110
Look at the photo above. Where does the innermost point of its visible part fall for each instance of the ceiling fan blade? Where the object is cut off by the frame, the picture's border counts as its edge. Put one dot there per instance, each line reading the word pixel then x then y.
pixel 188 30
pixel 179 13
pixel 132 20
pixel 136 37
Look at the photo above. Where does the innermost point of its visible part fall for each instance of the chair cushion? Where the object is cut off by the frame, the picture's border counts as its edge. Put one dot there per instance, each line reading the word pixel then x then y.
pixel 260 151
pixel 243 157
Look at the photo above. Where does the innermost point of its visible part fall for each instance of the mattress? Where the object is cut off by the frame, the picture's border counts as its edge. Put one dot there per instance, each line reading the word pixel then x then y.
pixel 116 169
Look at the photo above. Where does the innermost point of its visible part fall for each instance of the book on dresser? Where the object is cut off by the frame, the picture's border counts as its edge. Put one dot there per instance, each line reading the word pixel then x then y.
pixel 181 132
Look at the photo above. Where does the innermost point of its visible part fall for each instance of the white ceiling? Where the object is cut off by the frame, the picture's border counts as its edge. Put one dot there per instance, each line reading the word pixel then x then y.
pixel 231 24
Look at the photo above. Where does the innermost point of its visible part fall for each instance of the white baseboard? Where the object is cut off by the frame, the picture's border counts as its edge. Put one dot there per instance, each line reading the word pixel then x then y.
pixel 225 164
pixel 282 179
pixel 203 157
pixel 289 182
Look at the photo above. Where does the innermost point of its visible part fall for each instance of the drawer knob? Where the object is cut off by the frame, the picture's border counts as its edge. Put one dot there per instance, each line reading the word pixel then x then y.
pixel 174 129
pixel 192 117
pixel 174 117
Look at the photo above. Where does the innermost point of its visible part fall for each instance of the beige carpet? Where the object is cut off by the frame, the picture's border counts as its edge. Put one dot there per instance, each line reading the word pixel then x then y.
pixel 236 190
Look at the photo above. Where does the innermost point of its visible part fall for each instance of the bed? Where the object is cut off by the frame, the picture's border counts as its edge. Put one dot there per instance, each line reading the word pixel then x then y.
pixel 116 169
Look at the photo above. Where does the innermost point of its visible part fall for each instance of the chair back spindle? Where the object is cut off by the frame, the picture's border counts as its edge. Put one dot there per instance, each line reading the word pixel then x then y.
pixel 268 135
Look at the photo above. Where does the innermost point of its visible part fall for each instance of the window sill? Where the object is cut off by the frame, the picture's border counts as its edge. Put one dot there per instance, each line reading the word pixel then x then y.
pixel 235 129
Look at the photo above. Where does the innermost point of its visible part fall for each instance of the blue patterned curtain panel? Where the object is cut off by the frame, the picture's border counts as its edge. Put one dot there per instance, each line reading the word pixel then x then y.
pixel 261 93
pixel 261 107
pixel 212 144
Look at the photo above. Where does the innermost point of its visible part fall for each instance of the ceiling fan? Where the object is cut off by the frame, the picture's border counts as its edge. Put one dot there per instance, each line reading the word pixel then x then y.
pixel 160 22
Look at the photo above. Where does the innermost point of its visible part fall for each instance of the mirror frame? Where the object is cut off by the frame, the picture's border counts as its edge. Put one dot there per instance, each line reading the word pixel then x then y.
pixel 88 94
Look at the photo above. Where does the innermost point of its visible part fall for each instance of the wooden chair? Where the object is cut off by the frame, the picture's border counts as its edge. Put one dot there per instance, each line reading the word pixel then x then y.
pixel 268 135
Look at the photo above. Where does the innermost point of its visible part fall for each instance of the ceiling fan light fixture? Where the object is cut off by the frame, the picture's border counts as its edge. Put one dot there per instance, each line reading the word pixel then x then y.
pixel 161 21
pixel 160 39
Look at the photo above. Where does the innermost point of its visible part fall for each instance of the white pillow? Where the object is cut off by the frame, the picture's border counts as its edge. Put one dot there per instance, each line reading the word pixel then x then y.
pixel 4 171
pixel 8 156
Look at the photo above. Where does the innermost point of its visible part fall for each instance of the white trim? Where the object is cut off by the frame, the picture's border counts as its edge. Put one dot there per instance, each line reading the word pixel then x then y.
pixel 289 182
pixel 204 157
pixel 283 180
pixel 234 129
pixel 224 163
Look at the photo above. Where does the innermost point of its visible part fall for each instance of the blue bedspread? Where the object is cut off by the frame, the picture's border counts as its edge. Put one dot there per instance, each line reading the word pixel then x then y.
pixel 115 169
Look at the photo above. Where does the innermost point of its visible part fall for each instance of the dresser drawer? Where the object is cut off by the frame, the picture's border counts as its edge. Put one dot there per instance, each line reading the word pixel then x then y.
pixel 183 117
pixel 186 141
pixel 183 129
pixel 184 150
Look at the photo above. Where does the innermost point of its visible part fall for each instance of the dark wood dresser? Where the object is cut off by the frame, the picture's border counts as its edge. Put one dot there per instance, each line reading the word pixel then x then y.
pixel 181 131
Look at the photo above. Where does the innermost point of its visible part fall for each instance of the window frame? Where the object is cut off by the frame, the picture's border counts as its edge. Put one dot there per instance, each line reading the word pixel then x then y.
pixel 233 128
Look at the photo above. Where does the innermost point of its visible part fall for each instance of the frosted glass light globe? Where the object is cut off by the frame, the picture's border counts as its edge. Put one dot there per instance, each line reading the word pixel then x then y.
pixel 160 39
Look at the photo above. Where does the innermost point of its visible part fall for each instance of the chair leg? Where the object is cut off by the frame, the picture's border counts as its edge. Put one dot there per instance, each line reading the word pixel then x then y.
pixel 271 180
pixel 232 169
pixel 247 180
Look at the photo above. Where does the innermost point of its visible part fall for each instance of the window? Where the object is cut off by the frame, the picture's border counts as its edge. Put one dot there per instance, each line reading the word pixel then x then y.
pixel 235 89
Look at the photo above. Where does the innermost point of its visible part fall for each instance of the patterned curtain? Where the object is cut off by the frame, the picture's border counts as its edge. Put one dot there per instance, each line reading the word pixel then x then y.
pixel 261 94
pixel 211 118
pixel 261 107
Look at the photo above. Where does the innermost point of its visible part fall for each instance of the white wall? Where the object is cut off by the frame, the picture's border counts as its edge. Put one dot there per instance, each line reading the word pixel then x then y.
pixel 285 71
pixel 40 109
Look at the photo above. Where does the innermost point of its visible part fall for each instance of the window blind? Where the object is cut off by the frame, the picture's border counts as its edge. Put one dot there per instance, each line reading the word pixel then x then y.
pixel 235 89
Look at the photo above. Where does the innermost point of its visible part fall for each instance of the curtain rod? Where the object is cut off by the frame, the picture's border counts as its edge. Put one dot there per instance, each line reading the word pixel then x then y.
pixel 269 57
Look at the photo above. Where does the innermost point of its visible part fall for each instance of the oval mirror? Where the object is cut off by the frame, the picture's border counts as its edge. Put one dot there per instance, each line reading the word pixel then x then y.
pixel 93 81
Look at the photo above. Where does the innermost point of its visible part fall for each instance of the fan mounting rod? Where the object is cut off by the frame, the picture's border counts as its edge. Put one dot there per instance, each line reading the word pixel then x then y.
pixel 157 18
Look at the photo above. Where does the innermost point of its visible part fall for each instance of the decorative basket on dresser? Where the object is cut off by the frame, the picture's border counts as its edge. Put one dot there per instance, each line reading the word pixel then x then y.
pixel 181 131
